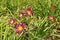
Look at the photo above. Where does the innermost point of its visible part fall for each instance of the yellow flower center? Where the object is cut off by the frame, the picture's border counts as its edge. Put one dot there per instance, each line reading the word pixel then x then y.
pixel 20 28
pixel 20 15
pixel 12 21
pixel 51 18
pixel 29 12
pixel 58 22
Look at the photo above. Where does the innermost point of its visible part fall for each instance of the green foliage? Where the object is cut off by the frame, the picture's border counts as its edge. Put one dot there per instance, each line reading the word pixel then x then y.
pixel 42 27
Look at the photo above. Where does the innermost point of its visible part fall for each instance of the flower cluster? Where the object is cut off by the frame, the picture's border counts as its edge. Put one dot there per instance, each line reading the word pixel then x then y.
pixel 21 26
pixel 28 11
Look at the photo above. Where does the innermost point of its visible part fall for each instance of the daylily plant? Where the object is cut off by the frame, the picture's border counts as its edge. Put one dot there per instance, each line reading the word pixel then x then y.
pixel 20 27
pixel 53 7
pixel 21 14
pixel 51 17
pixel 12 20
pixel 29 11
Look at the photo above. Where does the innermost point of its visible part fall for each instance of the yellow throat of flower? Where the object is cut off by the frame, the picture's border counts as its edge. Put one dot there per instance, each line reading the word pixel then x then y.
pixel 20 28
pixel 29 12
pixel 20 15
pixel 11 21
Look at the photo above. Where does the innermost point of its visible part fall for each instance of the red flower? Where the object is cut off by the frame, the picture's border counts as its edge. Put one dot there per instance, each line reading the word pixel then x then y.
pixel 53 7
pixel 20 27
pixel 51 17
pixel 29 11
pixel 21 14
pixel 12 20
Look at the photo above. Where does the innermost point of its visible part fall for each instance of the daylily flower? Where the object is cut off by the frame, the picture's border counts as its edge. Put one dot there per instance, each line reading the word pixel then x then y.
pixel 21 14
pixel 20 27
pixel 12 20
pixel 29 11
pixel 51 17
pixel 53 7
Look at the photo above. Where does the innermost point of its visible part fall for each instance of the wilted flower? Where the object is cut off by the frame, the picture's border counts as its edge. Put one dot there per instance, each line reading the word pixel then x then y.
pixel 12 20
pixel 51 17
pixel 53 7
pixel 20 27
pixel 58 22
pixel 21 14
pixel 29 11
